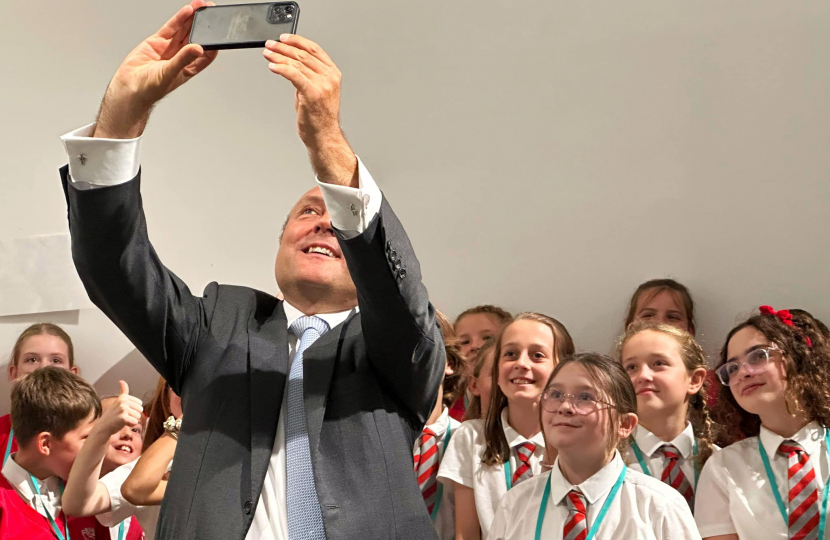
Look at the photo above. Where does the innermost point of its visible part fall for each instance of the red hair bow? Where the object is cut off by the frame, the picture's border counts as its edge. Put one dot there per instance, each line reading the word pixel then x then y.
pixel 785 317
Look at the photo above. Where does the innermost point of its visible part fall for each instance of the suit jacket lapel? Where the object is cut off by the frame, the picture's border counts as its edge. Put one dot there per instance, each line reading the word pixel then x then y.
pixel 318 366
pixel 268 350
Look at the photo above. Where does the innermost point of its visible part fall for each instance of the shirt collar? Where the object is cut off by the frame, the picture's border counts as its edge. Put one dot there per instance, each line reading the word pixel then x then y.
pixel 650 443
pixel 440 425
pixel 21 480
pixel 809 437
pixel 514 438
pixel 332 319
pixel 593 488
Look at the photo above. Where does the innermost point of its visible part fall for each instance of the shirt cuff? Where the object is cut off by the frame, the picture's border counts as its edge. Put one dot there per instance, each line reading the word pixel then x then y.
pixel 352 209
pixel 95 162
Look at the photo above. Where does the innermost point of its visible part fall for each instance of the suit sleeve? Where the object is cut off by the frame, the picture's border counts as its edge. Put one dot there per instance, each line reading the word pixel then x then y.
pixel 403 340
pixel 125 278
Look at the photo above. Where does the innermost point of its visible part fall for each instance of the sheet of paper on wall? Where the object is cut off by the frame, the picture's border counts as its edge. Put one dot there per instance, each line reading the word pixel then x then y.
pixel 37 276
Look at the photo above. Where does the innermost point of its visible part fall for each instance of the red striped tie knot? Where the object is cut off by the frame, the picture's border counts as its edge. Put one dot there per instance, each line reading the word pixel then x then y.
pixel 673 474
pixel 576 528
pixel 803 496
pixel 523 453
pixel 427 460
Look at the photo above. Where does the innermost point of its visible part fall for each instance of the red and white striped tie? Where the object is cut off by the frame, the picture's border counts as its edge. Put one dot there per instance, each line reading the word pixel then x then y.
pixel 803 497
pixel 426 466
pixel 523 453
pixel 673 474
pixel 576 528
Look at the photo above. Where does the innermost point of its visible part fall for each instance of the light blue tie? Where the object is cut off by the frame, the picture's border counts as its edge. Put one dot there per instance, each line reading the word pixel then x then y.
pixel 305 520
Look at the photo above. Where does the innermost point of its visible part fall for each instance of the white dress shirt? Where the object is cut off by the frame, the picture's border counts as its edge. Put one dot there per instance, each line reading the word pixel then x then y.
pixel 734 495
pixel 462 464
pixel 21 480
pixel 644 508
pixel 95 163
pixel 445 520
pixel 649 445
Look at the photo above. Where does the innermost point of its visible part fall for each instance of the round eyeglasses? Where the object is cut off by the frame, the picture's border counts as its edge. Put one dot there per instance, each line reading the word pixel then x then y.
pixel 582 403
pixel 754 362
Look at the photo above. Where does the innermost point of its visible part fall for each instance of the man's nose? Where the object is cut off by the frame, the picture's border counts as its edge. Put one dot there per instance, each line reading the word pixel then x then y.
pixel 323 225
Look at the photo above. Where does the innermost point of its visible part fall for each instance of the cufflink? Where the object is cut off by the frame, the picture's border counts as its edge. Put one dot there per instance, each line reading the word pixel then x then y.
pixel 82 158
pixel 353 209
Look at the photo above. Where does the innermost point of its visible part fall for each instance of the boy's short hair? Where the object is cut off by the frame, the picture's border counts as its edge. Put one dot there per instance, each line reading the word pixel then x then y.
pixel 51 399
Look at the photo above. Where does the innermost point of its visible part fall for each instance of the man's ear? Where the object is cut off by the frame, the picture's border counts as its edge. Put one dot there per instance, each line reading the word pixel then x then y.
pixel 627 424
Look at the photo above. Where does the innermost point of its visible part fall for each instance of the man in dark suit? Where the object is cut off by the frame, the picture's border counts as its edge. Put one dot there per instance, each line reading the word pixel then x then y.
pixel 299 415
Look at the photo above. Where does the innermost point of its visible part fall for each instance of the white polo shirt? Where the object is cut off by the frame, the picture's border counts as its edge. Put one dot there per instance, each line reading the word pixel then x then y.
pixel 462 464
pixel 734 494
pixel 644 508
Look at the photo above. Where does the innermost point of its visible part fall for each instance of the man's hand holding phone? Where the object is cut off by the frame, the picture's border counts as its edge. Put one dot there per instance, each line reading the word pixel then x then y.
pixel 160 64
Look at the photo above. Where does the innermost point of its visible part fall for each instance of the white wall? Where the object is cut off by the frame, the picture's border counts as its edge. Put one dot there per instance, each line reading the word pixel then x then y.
pixel 545 155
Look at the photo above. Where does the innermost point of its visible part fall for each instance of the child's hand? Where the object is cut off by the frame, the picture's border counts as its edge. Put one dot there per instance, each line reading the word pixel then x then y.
pixel 126 411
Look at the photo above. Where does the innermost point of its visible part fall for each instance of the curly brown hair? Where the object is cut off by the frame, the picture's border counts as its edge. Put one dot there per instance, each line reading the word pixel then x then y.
pixel 807 368
pixel 456 384
pixel 498 451
pixel 693 358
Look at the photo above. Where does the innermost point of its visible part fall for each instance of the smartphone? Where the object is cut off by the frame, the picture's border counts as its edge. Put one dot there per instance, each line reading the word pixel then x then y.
pixel 243 26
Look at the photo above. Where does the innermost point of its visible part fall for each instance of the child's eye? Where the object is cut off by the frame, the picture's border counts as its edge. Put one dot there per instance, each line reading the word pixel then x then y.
pixel 539 355
pixel 486 338
pixel 629 367
pixel 465 342
pixel 586 396
pixel 31 359
pixel 57 360
pixel 661 363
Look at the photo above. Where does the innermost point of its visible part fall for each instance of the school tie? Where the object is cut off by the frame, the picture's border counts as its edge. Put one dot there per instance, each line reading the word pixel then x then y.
pixel 305 519
pixel 523 471
pixel 426 467
pixel 803 488
pixel 673 474
pixel 576 528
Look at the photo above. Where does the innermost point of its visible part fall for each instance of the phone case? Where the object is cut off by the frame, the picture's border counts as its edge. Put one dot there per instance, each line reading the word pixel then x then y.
pixel 242 26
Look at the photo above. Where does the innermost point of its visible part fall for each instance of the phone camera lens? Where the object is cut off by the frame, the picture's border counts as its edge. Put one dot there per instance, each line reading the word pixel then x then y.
pixel 281 17
pixel 289 9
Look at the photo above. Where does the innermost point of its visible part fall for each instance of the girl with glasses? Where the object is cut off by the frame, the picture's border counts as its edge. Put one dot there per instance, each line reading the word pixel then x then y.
pixel 587 409
pixel 486 458
pixel 673 439
pixel 775 375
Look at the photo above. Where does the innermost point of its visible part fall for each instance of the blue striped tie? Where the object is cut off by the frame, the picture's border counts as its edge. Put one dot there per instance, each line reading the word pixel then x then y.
pixel 305 519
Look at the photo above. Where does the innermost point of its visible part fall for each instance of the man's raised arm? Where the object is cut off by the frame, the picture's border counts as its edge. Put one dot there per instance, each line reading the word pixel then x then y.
pixel 118 266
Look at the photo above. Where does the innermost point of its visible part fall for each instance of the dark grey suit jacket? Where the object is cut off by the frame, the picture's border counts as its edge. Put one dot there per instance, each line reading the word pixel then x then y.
pixel 370 383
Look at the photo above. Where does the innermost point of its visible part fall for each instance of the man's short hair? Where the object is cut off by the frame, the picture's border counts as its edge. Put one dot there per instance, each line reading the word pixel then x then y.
pixel 51 399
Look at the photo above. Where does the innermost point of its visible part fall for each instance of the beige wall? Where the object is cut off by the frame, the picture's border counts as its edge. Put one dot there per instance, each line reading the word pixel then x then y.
pixel 544 155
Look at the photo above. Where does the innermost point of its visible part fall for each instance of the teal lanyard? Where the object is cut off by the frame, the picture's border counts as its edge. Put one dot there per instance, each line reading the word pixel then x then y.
pixel 121 530
pixel 54 525
pixel 8 447
pixel 508 478
pixel 604 510
pixel 434 514
pixel 822 523
pixel 643 465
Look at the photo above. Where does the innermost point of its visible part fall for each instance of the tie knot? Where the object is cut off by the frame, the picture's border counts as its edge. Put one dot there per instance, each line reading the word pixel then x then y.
pixel 670 451
pixel 525 450
pixel 576 501
pixel 790 447
pixel 304 324
pixel 427 434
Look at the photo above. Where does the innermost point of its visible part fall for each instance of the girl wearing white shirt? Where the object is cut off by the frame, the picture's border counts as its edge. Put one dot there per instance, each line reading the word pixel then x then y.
pixel 587 408
pixel 672 440
pixel 486 458
pixel 775 371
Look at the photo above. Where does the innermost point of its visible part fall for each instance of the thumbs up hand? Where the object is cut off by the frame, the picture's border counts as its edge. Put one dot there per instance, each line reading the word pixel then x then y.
pixel 122 410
